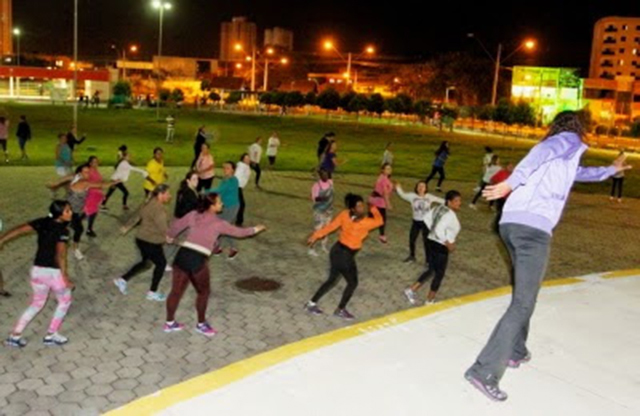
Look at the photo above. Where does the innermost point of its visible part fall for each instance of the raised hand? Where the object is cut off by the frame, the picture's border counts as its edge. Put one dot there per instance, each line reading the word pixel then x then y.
pixel 498 191
pixel 620 163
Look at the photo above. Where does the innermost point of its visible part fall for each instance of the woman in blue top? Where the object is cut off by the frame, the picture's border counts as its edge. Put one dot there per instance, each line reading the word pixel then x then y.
pixel 442 154
pixel 539 187
pixel 64 157
pixel 330 159
pixel 228 190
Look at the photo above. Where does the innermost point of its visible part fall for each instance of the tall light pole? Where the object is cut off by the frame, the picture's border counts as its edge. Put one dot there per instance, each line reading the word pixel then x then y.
pixel 16 33
pixel 75 65
pixel 161 6
pixel 528 44
pixel 238 47
pixel 446 94
pixel 369 50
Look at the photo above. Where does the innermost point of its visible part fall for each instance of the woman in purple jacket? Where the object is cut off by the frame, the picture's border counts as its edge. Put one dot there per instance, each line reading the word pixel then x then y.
pixel 204 226
pixel 539 188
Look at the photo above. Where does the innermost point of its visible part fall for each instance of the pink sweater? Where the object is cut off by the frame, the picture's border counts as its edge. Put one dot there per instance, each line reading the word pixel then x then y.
pixel 383 187
pixel 204 229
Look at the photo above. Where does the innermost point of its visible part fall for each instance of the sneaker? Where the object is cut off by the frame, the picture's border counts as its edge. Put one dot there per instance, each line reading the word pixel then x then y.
pixel 121 284
pixel 232 254
pixel 91 234
pixel 78 254
pixel 491 391
pixel 410 259
pixel 172 327
pixel 383 239
pixel 157 296
pixel 313 308
pixel 217 251
pixel 55 340
pixel 206 329
pixel 610 198
pixel 429 302
pixel 517 363
pixel 15 342
pixel 473 207
pixel 410 295
pixel 344 314
pixel 125 208
pixel 168 269
pixel 104 208
pixel 312 252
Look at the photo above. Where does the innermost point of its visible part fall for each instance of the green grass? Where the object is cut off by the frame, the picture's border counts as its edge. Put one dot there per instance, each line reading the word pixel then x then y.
pixel 362 144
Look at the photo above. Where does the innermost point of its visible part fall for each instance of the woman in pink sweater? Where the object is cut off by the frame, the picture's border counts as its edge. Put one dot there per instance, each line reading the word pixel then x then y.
pixel 203 227
pixel 381 196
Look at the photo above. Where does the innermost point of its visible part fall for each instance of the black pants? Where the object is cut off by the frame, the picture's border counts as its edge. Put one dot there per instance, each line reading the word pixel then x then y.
pixel 77 227
pixel 438 170
pixel 92 220
pixel 343 262
pixel 240 216
pixel 204 184
pixel 617 184
pixel 438 259
pixel 150 253
pixel 418 227
pixel 499 207
pixel 122 188
pixel 479 193
pixel 196 152
pixel 256 168
pixel 383 212
pixel 272 160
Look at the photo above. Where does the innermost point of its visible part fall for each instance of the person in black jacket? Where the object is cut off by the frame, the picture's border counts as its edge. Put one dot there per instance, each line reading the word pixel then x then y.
pixel 187 198
pixel 23 134
pixel 201 138
pixel 72 140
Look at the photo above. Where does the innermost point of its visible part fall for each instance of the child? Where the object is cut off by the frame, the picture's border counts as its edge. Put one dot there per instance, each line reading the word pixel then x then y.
pixel 322 197
pixel 493 168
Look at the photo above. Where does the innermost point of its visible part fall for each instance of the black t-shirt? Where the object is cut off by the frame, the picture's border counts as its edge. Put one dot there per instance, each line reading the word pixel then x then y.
pixel 50 233
pixel 322 145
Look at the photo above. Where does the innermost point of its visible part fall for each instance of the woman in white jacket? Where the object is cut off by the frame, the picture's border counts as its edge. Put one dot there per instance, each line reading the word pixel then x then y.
pixel 421 202
pixel 122 172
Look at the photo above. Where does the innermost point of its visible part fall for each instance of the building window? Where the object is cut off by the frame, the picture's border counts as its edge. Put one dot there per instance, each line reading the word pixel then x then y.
pixel 611 29
pixel 618 73
pixel 625 27
pixel 607 64
pixel 638 28
pixel 623 39
pixel 610 40
pixel 609 52
pixel 621 50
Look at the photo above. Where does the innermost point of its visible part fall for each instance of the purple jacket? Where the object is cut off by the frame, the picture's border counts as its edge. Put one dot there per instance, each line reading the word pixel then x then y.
pixel 543 179
pixel 204 230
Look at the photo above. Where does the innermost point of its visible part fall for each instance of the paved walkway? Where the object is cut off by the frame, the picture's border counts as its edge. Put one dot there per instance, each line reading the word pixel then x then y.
pixel 118 352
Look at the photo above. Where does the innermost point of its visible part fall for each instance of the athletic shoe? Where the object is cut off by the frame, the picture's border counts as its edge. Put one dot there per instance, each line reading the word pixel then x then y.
pixel 325 249
pixel 232 254
pixel 125 208
pixel 473 207
pixel 410 259
pixel 15 342
pixel 78 254
pixel 476 189
pixel 410 295
pixel 611 198
pixel 383 239
pixel 91 234
pixel 429 302
pixel 217 251
pixel 312 252
pixel 55 340
pixel 491 391
pixel 168 269
pixel 172 327
pixel 104 208
pixel 438 189
pixel 313 308
pixel 517 363
pixel 121 284
pixel 344 314
pixel 206 329
pixel 157 296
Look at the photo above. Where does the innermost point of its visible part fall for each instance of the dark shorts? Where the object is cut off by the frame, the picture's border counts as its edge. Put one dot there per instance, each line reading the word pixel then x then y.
pixel 272 160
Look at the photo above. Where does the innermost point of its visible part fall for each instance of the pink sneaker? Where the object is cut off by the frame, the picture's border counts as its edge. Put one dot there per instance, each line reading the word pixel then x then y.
pixel 172 327
pixel 383 239
pixel 206 329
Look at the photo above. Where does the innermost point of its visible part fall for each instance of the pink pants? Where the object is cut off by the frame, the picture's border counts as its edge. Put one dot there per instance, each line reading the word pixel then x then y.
pixel 44 280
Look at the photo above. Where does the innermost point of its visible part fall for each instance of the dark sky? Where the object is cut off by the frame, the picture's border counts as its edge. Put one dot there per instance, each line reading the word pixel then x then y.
pixel 410 28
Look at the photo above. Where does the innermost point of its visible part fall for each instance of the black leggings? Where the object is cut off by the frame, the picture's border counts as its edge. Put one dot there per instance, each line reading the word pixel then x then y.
pixel 240 217
pixel 92 220
pixel 150 253
pixel 499 207
pixel 343 262
pixel 3 144
pixel 438 259
pixel 383 212
pixel 204 184
pixel 434 170
pixel 418 227
pixel 256 168
pixel 77 227
pixel 617 184
pixel 479 193
pixel 122 188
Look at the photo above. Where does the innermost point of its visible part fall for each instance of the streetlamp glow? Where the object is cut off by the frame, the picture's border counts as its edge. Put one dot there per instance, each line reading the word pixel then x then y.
pixel 270 51
pixel 530 44
pixel 239 65
pixel 248 59
pixel 371 50
pixel 161 6
pixel 284 61
pixel 133 48
pixel 238 47
pixel 328 45
pixel 16 31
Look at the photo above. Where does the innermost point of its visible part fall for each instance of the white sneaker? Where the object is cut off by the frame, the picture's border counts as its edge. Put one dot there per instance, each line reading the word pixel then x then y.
pixel 473 207
pixel 312 252
pixel 168 269
pixel 55 340
pixel 78 254
pixel 325 249
pixel 121 284
pixel 429 302
pixel 156 296
pixel 410 295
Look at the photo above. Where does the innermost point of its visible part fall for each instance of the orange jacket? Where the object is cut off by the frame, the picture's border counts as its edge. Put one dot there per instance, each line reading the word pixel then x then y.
pixel 352 232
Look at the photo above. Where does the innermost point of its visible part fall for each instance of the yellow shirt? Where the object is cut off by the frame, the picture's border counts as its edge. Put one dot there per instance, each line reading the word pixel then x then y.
pixel 156 172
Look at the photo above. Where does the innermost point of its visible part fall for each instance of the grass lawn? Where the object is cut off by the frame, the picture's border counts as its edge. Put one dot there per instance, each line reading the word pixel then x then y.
pixel 361 144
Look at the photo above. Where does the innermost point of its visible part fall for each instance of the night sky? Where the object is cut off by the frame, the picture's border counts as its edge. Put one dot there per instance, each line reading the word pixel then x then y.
pixel 411 29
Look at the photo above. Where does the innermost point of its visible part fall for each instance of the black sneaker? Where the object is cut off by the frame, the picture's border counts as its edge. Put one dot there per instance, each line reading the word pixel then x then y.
pixel 15 342
pixel 410 259
pixel 344 314
pixel 489 390
pixel 313 308
pixel 91 234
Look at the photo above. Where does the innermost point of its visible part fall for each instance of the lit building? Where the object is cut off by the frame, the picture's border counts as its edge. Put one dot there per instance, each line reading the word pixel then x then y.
pixel 279 38
pixel 239 31
pixel 616 48
pixel 549 90
pixel 6 36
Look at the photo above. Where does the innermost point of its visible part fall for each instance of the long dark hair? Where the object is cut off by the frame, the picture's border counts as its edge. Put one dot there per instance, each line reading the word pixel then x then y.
pixel 567 121
pixel 184 186
pixel 207 201
pixel 56 209
pixel 444 147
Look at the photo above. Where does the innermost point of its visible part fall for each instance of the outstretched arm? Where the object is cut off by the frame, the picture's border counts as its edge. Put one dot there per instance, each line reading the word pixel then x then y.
pixel 15 233
pixel 329 228
pixel 601 173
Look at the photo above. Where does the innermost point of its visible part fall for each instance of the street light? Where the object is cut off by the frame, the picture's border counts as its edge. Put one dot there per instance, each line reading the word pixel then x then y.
pixel 16 33
pixel 132 49
pixel 161 6
pixel 446 94
pixel 369 50
pixel 528 44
